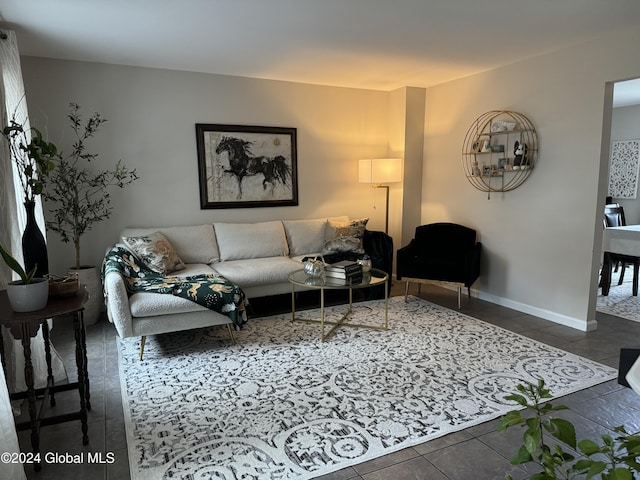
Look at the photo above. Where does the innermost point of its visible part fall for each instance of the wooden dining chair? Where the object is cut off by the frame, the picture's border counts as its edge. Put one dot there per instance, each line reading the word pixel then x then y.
pixel 614 217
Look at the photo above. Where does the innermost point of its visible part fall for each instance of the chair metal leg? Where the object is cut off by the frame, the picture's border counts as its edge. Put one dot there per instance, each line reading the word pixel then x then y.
pixel 230 329
pixel 459 293
pixel 142 342
pixel 406 290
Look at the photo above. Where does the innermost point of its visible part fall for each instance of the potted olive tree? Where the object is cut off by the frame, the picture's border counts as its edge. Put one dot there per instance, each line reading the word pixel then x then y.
pixel 29 293
pixel 77 197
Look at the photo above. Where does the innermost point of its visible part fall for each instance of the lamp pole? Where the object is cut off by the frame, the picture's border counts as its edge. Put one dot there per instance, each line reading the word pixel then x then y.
pixel 386 207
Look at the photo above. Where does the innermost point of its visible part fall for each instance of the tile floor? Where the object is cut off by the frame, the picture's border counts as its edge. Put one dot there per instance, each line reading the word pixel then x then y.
pixel 475 453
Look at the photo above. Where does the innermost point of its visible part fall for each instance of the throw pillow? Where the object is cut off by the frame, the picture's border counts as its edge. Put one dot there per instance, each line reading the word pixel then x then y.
pixel 347 237
pixel 155 251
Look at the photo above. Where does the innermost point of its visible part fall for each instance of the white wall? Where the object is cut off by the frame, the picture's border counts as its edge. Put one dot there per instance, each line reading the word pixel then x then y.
pixel 539 239
pixel 151 126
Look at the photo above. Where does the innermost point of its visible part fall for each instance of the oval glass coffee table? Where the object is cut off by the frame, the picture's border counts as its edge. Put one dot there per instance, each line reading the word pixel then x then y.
pixel 370 279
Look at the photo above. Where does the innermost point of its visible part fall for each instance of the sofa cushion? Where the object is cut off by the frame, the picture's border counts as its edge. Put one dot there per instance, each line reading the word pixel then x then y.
pixel 148 304
pixel 259 271
pixel 305 236
pixel 194 244
pixel 332 222
pixel 238 241
pixel 155 251
pixel 347 237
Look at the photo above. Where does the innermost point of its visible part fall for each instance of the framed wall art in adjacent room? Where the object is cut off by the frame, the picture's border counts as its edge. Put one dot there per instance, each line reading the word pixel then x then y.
pixel 246 166
pixel 623 169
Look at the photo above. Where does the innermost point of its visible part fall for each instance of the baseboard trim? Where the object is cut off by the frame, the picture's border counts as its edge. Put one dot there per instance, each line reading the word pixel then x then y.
pixel 555 317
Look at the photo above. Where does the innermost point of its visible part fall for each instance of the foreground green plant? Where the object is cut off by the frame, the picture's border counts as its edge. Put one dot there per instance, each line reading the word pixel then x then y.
pixel 616 458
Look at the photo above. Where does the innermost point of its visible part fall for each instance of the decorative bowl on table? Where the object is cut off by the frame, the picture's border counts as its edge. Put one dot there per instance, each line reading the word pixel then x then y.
pixel 63 286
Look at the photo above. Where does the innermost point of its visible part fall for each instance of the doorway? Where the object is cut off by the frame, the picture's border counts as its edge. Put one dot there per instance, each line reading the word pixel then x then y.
pixel 621 130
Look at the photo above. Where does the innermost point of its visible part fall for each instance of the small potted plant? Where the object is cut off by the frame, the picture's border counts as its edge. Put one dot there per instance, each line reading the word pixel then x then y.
pixel 29 293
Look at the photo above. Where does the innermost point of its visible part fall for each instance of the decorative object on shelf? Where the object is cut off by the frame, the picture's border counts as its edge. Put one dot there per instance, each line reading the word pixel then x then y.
pixel 520 154
pixel 28 294
pixel 377 171
pixel 498 126
pixel 246 166
pixel 33 157
pixel 623 169
pixel 486 138
pixel 475 170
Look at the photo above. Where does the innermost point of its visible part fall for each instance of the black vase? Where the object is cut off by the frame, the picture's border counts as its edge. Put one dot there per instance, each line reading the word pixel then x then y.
pixel 34 248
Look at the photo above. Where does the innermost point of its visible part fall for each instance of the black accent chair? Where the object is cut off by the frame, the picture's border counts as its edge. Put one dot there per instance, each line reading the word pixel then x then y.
pixel 445 252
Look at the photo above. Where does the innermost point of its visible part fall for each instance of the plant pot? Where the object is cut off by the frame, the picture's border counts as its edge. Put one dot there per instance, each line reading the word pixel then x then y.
pixel 30 297
pixel 90 278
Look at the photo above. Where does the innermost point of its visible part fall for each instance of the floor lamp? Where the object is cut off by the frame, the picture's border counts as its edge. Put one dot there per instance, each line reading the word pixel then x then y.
pixel 377 171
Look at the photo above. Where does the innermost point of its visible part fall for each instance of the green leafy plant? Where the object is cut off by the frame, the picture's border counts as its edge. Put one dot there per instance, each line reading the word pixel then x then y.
pixel 77 196
pixel 14 265
pixel 615 458
pixel 33 157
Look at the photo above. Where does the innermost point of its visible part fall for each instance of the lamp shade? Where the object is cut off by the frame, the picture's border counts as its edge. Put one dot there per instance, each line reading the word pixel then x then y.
pixel 380 170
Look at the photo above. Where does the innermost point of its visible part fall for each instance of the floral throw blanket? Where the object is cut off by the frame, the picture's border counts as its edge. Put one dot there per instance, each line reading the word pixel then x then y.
pixel 211 290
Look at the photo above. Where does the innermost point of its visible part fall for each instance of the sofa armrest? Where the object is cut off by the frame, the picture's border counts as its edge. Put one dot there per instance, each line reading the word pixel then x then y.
pixel 475 262
pixel 117 301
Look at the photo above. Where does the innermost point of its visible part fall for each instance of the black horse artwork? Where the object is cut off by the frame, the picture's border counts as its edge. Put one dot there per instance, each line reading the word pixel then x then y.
pixel 242 164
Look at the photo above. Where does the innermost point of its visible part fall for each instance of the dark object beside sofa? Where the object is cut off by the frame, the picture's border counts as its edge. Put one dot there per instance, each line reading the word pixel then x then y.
pixel 445 252
pixel 379 246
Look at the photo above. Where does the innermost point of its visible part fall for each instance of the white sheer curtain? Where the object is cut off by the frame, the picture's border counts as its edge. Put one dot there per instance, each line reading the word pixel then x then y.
pixel 10 238
pixel 12 223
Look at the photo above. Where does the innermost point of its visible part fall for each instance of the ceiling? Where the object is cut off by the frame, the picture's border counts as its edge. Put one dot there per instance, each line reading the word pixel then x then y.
pixel 373 44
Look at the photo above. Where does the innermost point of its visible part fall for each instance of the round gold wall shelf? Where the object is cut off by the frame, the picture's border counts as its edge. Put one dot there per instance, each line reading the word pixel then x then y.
pixel 499 151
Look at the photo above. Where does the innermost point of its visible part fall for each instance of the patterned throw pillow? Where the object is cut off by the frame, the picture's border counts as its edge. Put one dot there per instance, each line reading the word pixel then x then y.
pixel 347 237
pixel 155 251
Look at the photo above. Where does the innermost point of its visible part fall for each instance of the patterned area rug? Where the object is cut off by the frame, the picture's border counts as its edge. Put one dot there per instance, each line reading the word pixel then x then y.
pixel 283 405
pixel 620 301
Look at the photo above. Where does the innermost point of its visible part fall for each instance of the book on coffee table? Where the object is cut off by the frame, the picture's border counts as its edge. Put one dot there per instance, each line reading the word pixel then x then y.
pixel 343 269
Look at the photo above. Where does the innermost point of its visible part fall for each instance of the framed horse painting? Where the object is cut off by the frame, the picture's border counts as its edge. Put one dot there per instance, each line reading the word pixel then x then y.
pixel 246 166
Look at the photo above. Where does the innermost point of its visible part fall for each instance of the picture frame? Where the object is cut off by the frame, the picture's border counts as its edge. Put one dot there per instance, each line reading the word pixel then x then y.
pixel 242 166
pixel 624 166
pixel 485 145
